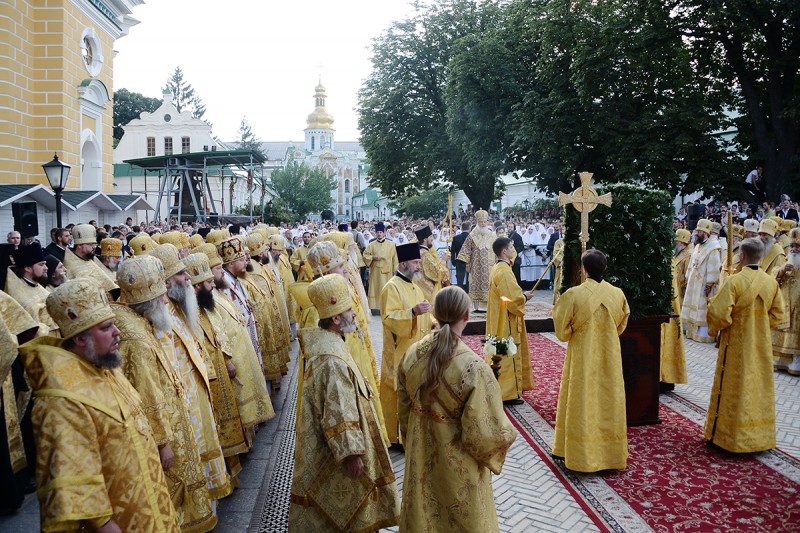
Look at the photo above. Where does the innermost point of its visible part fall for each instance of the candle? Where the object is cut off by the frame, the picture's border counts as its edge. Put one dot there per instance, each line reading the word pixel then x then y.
pixel 501 317
pixel 730 242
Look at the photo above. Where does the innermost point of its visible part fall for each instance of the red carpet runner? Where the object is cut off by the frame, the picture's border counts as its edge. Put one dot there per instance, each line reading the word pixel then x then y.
pixel 674 482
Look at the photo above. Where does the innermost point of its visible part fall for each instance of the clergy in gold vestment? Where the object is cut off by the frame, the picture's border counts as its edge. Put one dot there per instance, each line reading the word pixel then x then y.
pixel 590 431
pixel 741 411
pixel 380 256
pixel 160 387
pixel 79 261
pixel 738 235
pixel 774 258
pixel 504 318
pixel 110 257
pixel 97 462
pixel 786 338
pixel 283 268
pixel 299 262
pixel 673 354
pixel 406 319
pixel 478 255
pixel 702 282
pixel 24 284
pixel 435 273
pixel 343 478
pixel 455 431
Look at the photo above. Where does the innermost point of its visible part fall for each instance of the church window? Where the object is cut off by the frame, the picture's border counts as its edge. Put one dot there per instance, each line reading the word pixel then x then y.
pixel 186 145
pixel 167 145
pixel 346 185
pixel 312 142
pixel 151 146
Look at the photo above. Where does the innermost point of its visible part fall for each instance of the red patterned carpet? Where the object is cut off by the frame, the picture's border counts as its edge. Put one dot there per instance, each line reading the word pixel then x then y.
pixel 673 482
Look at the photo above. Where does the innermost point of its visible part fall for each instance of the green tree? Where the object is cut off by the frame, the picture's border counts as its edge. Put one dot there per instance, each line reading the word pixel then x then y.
pixel 247 139
pixel 128 106
pixel 402 106
pixel 183 94
pixel 426 204
pixel 303 189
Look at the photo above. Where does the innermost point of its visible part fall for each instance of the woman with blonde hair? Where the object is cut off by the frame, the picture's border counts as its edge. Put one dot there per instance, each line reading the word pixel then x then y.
pixel 452 423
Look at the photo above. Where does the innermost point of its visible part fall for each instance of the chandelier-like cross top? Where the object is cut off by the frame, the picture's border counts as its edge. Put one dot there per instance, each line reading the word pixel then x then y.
pixel 585 199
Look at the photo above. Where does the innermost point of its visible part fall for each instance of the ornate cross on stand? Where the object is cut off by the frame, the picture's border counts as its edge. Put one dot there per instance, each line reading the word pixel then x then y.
pixel 585 200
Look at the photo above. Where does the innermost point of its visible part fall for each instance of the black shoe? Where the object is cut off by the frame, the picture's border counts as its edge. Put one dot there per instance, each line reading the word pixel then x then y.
pixel 664 388
pixel 518 401
pixel 397 447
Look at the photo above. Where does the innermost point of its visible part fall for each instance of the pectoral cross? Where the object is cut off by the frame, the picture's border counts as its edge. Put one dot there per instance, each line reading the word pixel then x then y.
pixel 585 200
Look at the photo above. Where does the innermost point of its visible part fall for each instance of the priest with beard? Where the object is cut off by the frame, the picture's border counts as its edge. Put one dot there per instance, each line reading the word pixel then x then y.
pixel 280 260
pixel 219 349
pixel 79 261
pixel 786 338
pixel 249 385
pixel 478 255
pixel 141 313
pixel 406 319
pixel 98 466
pixel 702 279
pixel 774 257
pixel 110 257
pixel 25 283
pixel 380 256
pixel 187 356
pixel 435 273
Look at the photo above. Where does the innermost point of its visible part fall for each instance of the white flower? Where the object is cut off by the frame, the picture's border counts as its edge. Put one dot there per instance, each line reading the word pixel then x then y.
pixel 489 349
pixel 512 346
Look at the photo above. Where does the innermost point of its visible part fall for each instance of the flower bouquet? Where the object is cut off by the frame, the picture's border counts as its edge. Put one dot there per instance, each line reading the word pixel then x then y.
pixel 496 349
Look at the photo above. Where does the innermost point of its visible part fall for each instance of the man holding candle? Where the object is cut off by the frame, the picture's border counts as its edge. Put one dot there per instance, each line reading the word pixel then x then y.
pixel 506 317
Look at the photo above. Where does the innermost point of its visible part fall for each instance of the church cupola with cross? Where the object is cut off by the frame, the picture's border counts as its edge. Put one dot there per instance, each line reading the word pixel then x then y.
pixel 319 129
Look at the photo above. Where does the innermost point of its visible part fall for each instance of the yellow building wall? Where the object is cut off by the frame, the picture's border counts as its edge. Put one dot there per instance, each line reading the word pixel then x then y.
pixel 41 68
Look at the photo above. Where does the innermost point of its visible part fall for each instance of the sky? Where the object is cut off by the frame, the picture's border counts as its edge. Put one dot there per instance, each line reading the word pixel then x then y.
pixel 259 59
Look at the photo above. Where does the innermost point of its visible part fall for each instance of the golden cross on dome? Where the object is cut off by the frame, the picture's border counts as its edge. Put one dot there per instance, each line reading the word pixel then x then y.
pixel 585 200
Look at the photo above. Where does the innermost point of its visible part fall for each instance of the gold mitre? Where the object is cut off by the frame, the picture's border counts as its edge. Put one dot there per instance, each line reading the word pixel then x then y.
pixel 260 225
pixel 176 238
pixel 110 247
pixel 210 251
pixel 716 227
pixel 338 238
pixel 794 236
pixel 217 236
pixel 142 244
pixel 196 240
pixel 84 234
pixel 788 225
pixel 704 225
pixel 751 225
pixel 768 226
pixel 315 240
pixel 277 243
pixel 78 305
pixel 481 216
pixel 738 231
pixel 156 237
pixel 141 279
pixel 323 257
pixel 168 255
pixel 198 267
pixel 273 231
pixel 330 295
pixel 256 244
pixel 231 249
pixel 683 235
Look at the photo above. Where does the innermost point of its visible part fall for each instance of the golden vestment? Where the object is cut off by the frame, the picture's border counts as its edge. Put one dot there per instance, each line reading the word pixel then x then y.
pixel 773 260
pixel 162 394
pixel 703 271
pixel 673 352
pixel 401 329
pixel 741 411
pixel 275 349
pixel 477 253
pixel 786 336
pixel 591 426
pixel 434 272
pixel 516 375
pixel 680 264
pixel 96 457
pixel 381 259
pixel 734 263
pixel 558 258
pixel 304 272
pixel 249 386
pixel 337 421
pixel 186 356
pixel 784 242
pixel 32 298
pixel 81 268
pixel 110 274
pixel 455 438
pixel 284 269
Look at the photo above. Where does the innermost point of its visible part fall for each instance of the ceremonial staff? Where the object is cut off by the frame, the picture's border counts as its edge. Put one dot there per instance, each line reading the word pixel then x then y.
pixel 730 243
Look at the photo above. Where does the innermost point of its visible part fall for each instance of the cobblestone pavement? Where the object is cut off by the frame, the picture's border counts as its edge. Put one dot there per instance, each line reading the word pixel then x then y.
pixel 528 496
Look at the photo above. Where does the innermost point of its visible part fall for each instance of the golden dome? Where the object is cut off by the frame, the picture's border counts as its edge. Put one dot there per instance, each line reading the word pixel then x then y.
pixel 319 118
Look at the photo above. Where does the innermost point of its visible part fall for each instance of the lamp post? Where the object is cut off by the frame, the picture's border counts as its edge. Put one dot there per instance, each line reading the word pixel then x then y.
pixel 57 174
pixel 526 205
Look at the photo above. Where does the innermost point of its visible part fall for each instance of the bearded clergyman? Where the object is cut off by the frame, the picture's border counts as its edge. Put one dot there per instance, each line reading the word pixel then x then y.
pixel 702 280
pixel 477 253
pixel 786 338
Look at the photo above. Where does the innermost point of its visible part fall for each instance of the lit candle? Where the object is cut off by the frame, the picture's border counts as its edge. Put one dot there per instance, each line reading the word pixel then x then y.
pixel 501 316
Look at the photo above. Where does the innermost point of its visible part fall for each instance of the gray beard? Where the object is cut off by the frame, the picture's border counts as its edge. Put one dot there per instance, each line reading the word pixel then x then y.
pixel 411 276
pixel 110 360
pixel 482 231
pixel 185 298
pixel 768 244
pixel 793 258
pixel 156 312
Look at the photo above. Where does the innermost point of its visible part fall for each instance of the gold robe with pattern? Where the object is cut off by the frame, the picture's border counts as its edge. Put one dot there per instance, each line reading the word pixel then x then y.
pixel 263 305
pixel 401 329
pixel 110 274
pixel 477 253
pixel 96 457
pixel 162 393
pixel 81 268
pixel 786 335
pixel 703 271
pixel 741 411
pixel 558 259
pixel 278 343
pixel 434 273
pixel 32 298
pixel 673 352
pixel 381 259
pixel 516 375
pixel 304 272
pixel 591 426
pixel 455 438
pixel 337 421
pixel 773 260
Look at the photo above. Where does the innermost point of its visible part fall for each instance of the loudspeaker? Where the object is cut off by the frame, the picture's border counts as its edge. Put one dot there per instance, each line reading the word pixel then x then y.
pixel 694 213
pixel 25 219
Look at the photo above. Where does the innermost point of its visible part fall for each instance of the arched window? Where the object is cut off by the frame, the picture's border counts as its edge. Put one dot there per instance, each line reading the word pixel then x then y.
pixel 346 185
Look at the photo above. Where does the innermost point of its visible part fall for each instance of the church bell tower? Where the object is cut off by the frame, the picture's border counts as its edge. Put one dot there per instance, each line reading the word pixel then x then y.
pixel 319 124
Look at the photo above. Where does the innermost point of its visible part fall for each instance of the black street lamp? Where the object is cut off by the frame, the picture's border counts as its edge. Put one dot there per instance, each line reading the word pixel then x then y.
pixel 57 174
pixel 526 205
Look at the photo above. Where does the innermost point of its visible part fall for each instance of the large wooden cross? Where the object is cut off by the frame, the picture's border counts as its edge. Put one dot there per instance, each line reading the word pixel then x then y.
pixel 585 200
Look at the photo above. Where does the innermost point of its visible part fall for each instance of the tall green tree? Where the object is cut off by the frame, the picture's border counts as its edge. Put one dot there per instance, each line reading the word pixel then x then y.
pixel 183 94
pixel 129 105
pixel 247 139
pixel 427 204
pixel 303 189
pixel 402 106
